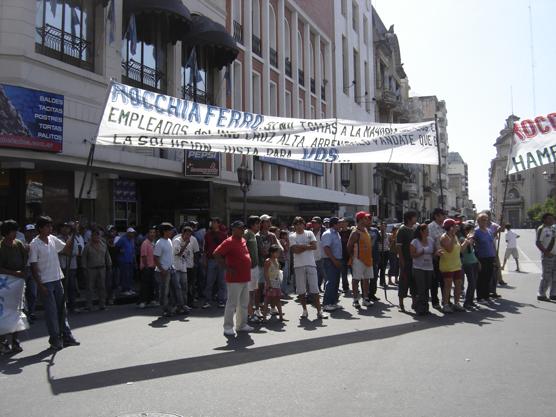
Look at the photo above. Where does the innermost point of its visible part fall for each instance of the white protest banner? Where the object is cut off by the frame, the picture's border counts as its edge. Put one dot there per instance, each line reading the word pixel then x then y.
pixel 12 318
pixel 534 143
pixel 135 117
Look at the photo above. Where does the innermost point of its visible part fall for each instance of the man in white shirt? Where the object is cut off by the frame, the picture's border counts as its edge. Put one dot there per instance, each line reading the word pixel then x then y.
pixel 435 232
pixel 70 264
pixel 318 230
pixel 511 247
pixel 546 243
pixel 165 271
pixel 303 244
pixel 185 247
pixel 45 266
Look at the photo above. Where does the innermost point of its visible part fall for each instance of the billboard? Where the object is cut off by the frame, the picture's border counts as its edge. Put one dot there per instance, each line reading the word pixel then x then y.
pixel 205 164
pixel 316 168
pixel 31 119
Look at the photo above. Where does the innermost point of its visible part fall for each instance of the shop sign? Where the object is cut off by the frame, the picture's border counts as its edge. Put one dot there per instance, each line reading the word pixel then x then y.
pixel 31 119
pixel 204 164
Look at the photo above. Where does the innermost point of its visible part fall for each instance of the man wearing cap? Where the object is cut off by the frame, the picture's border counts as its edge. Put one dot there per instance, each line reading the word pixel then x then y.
pixel 126 261
pixel 360 248
pixel 435 232
pixel 165 272
pixel 233 255
pixel 332 261
pixel 318 230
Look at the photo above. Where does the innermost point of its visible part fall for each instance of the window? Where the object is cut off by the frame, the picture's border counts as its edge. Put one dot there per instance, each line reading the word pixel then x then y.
pixel 237 6
pixel 301 108
pixel 196 81
pixel 145 67
pixel 356 75
pixel 365 30
pixel 67 32
pixel 345 69
pixel 256 27
pixel 344 7
pixel 313 67
pixel 288 104
pixel 272 36
pixel 256 80
pixel 367 88
pixel 300 63
pixel 273 111
pixel 355 16
pixel 237 102
pixel 287 48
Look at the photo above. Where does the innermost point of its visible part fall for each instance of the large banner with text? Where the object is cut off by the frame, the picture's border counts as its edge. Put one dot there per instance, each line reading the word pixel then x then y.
pixel 139 118
pixel 31 119
pixel 534 143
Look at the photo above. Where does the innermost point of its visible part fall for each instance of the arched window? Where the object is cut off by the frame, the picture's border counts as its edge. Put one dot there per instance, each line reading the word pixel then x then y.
pixel 312 71
pixel 256 26
pixel 287 48
pixel 301 74
pixel 272 36
pixel 513 194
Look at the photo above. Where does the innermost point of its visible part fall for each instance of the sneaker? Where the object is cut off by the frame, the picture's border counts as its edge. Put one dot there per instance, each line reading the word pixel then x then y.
pixel 16 347
pixel 374 298
pixel 469 306
pixel 221 305
pixel 246 328
pixel 436 306
pixel 356 304
pixel 329 307
pixel 543 298
pixel 447 308
pixel 229 332
pixel 458 307
pixel 142 305
pixel 367 303
pixel 71 341
pixel 305 314
pixel 273 311
pixel 4 347
pixel 206 305
pixel 553 297
pixel 254 319
pixel 321 315
pixel 56 346
pixel 504 282
pixel 337 306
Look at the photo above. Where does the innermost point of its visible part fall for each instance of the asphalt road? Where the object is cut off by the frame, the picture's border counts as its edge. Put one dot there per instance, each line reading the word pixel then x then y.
pixel 498 361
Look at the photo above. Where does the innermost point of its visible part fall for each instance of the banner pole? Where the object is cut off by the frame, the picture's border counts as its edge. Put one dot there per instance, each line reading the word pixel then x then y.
pixel 88 167
pixel 439 162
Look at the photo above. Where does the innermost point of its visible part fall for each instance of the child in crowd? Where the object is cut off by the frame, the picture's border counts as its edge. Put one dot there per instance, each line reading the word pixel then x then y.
pixel 272 276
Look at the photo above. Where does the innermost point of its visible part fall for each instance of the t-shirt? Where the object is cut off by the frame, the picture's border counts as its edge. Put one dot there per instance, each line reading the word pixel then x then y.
pixel 78 246
pixel 14 256
pixel 468 254
pixel 212 240
pixel 511 240
pixel 331 238
pixel 484 243
pixel 404 238
pixel 264 242
pixel 306 258
pixel 45 255
pixel 318 253
pixel 435 232
pixel 237 257
pixel 252 246
pixel 545 234
pixel 127 250
pixel 165 252
pixel 187 258
pixel 147 248
pixel 424 261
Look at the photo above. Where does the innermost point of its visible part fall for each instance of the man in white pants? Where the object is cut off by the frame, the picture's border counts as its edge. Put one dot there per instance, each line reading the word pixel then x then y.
pixel 546 243
pixel 511 247
pixel 232 254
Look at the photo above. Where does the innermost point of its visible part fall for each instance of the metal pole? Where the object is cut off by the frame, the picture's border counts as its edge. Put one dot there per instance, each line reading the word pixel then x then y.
pixel 244 189
pixel 88 166
pixel 439 162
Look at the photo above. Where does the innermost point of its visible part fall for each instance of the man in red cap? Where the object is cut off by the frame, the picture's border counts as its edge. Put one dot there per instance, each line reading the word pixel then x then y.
pixel 360 248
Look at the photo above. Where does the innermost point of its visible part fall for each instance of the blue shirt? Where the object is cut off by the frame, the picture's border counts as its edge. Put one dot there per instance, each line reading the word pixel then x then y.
pixel 126 250
pixel 484 244
pixel 331 238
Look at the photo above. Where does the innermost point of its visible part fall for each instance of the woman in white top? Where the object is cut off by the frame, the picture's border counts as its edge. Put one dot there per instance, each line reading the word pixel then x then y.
pixel 421 250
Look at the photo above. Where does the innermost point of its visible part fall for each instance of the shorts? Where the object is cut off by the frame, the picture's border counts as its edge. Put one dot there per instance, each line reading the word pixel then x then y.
pixel 361 271
pixel 273 292
pixel 306 277
pixel 454 275
pixel 511 252
pixel 254 282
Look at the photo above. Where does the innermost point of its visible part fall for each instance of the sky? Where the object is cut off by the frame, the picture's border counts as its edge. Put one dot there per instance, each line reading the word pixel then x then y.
pixel 474 54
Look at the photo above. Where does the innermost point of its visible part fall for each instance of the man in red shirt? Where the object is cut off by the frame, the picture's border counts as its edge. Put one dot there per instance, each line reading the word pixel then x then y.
pixel 233 255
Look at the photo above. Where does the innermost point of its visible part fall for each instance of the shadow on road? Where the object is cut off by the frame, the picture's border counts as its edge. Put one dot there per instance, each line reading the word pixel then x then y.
pixel 236 352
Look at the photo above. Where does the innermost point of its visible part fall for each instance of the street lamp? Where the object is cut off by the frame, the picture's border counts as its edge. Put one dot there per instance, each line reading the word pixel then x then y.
pixel 345 173
pixel 244 177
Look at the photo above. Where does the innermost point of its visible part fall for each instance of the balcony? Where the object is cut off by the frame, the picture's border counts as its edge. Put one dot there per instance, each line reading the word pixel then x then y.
pixel 238 32
pixel 313 86
pixel 256 45
pixel 197 95
pixel 301 77
pixel 388 99
pixel 410 188
pixel 65 47
pixel 288 67
pixel 143 76
pixel 274 57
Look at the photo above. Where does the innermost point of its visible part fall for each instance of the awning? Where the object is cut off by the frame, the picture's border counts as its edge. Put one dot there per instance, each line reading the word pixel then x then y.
pixel 175 17
pixel 207 33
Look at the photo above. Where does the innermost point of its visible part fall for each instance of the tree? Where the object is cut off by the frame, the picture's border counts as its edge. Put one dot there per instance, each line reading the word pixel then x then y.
pixel 537 210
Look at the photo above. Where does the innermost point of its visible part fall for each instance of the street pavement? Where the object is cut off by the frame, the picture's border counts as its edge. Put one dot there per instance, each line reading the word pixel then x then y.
pixel 497 361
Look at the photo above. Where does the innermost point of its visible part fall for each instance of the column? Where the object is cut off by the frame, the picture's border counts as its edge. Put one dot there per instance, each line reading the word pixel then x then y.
pixel 307 69
pixel 318 76
pixel 265 90
pixel 248 56
pixel 280 25
pixel 329 87
pixel 295 65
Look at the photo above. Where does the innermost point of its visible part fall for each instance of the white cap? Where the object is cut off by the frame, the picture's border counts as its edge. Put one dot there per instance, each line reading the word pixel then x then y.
pixel 29 227
pixel 265 217
pixel 130 230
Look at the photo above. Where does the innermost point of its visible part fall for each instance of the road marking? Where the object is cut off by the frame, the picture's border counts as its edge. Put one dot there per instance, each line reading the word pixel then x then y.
pixel 534 265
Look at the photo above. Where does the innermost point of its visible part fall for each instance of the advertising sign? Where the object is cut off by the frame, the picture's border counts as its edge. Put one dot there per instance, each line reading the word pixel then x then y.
pixel 205 164
pixel 31 119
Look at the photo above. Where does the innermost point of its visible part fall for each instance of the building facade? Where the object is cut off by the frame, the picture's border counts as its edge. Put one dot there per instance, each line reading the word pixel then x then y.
pixel 458 201
pixel 523 189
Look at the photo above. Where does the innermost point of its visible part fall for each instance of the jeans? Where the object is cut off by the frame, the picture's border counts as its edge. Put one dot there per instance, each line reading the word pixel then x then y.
pixel 191 285
pixel 215 274
pixel 126 276
pixel 285 286
pixel 548 277
pixel 112 281
pixel 182 278
pixel 394 263
pixel 146 292
pixel 71 288
pixel 382 263
pixel 237 302
pixel 436 283
pixel 30 292
pixel 472 273
pixel 423 281
pixel 332 283
pixel 485 277
pixel 321 273
pixel 170 290
pixel 345 272
pixel 55 312
pixel 96 277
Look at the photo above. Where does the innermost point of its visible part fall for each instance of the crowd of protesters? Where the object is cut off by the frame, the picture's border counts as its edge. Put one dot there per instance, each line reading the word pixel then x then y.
pixel 248 269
